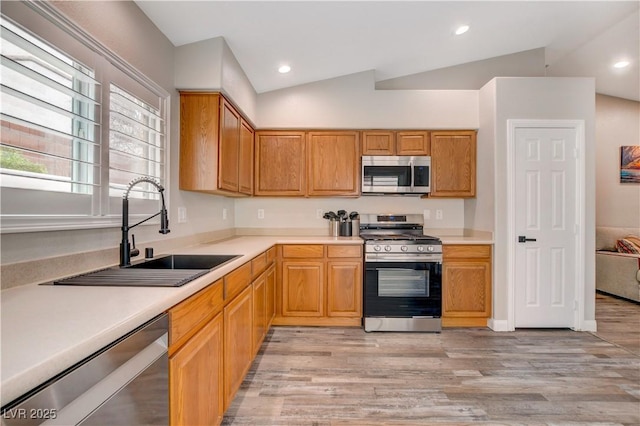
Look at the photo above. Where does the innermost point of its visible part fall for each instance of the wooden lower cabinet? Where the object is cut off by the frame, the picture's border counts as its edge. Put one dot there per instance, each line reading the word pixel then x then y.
pixel 238 342
pixel 344 288
pixel 466 285
pixel 319 285
pixel 259 288
pixel 195 358
pixel 270 304
pixel 195 378
pixel 303 288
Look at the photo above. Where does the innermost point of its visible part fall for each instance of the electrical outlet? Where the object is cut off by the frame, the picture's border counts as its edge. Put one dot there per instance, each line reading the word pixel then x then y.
pixel 438 214
pixel 427 214
pixel 182 214
pixel 224 214
pixel 260 213
pixel 319 213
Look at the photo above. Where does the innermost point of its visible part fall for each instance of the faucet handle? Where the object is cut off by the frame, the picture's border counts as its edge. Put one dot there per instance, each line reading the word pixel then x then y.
pixel 134 251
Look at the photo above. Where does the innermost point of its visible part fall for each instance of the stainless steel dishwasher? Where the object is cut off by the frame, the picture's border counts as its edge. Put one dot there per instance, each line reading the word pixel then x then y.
pixel 125 383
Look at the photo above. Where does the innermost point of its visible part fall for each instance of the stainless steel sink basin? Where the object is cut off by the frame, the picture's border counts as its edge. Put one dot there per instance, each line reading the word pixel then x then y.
pixel 186 261
pixel 168 271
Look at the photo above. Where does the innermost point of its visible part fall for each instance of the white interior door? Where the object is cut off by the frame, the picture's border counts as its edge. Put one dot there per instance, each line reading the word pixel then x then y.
pixel 546 229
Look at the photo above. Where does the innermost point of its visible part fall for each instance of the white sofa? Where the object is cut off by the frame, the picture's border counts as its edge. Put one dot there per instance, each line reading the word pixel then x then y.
pixel 616 273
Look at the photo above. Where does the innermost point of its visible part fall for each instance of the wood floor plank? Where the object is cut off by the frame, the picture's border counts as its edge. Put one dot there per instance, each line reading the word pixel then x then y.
pixel 345 377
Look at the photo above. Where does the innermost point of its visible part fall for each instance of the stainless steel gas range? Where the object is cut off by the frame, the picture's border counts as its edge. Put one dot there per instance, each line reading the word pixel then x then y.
pixel 403 274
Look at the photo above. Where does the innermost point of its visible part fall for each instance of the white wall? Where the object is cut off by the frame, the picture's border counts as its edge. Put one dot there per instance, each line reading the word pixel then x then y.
pixel 540 98
pixel 479 212
pixel 297 215
pixel 211 65
pixel 617 124
pixel 352 102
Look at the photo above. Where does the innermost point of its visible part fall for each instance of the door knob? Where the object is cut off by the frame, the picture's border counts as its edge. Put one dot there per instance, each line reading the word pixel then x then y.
pixel 523 239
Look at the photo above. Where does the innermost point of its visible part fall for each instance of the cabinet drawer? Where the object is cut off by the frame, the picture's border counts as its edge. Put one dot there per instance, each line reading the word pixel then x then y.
pixel 344 251
pixel 259 264
pixel 197 309
pixel 471 251
pixel 236 281
pixel 303 251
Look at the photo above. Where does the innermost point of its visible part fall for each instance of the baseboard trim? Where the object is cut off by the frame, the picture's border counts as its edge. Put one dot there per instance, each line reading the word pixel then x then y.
pixel 498 325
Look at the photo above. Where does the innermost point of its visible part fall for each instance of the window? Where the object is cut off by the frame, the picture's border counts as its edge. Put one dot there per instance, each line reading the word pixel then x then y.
pixel 61 166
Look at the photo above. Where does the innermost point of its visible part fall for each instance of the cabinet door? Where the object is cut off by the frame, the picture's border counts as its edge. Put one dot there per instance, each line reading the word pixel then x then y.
pixel 466 284
pixel 280 167
pixel 378 142
pixel 453 163
pixel 302 288
pixel 271 295
pixel 413 143
pixel 245 173
pixel 199 120
pixel 238 342
pixel 195 376
pixel 259 311
pixel 229 147
pixel 466 288
pixel 333 163
pixel 344 288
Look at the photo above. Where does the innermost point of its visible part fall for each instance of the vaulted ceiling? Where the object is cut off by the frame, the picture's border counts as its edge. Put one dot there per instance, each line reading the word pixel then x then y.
pixel 412 45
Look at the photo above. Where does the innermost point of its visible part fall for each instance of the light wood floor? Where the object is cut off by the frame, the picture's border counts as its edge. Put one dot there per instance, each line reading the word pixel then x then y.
pixel 344 376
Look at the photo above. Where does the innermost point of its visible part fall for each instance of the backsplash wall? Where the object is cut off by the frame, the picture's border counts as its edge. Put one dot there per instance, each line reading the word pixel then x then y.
pixel 301 213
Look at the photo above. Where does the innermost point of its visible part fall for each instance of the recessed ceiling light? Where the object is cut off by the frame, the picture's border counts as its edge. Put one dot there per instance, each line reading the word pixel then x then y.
pixel 284 69
pixel 462 29
pixel 621 64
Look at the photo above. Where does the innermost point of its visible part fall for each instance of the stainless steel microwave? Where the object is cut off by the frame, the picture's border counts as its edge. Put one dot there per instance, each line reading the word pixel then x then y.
pixel 396 174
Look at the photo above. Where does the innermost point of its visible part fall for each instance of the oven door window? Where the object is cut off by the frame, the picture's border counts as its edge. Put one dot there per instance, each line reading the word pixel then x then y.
pixel 397 282
pixel 402 289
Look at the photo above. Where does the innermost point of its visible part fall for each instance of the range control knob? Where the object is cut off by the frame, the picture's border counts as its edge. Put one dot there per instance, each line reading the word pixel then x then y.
pixel 404 248
pixel 387 248
pixel 420 248
pixel 376 248
pixel 430 248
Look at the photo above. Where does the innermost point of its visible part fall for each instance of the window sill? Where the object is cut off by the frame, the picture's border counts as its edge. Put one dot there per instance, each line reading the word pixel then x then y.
pixel 14 224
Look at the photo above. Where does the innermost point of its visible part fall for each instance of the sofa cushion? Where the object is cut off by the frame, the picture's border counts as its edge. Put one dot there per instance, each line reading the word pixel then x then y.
pixel 629 244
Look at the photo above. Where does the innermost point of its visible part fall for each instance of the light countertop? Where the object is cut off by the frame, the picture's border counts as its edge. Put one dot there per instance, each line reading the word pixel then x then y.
pixel 46 329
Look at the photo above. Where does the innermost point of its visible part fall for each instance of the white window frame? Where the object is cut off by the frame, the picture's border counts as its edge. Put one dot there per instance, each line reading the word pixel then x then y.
pixel 109 69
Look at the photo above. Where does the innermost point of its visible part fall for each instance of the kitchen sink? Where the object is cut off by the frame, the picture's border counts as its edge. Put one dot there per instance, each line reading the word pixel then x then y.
pixel 169 271
pixel 186 261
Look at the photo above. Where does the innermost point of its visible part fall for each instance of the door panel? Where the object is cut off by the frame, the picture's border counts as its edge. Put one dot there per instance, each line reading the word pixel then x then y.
pixel 545 169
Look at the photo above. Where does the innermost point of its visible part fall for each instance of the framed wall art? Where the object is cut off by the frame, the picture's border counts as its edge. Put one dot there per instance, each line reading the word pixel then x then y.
pixel 630 164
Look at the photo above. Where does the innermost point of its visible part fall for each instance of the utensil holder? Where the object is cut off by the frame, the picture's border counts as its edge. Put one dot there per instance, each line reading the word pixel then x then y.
pixel 345 229
pixel 355 227
pixel 334 228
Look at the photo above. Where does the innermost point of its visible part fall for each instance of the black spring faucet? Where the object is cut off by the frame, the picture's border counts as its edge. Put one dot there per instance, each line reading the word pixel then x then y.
pixel 126 252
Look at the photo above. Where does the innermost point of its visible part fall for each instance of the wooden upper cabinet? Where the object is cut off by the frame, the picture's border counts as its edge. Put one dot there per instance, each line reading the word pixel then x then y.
pixel 413 143
pixel 280 163
pixel 333 163
pixel 378 142
pixel 212 136
pixel 453 163
pixel 245 172
pixel 199 123
pixel 228 167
